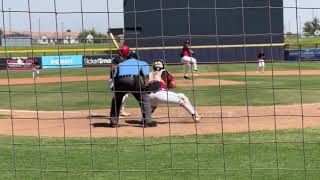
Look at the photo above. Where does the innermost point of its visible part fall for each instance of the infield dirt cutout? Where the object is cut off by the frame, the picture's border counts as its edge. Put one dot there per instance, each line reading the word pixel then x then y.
pixel 180 82
pixel 83 123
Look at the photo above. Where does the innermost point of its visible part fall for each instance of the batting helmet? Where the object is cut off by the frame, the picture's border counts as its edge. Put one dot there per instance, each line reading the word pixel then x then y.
pixel 158 65
pixel 124 51
pixel 187 42
pixel 132 54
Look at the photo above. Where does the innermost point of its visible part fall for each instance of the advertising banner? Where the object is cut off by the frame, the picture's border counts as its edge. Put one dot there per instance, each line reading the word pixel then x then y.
pixel 49 62
pixel 97 61
pixel 303 54
pixel 20 63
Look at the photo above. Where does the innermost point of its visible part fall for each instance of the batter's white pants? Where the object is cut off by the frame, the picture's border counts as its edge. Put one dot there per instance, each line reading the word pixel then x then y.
pixel 124 99
pixel 164 97
pixel 187 60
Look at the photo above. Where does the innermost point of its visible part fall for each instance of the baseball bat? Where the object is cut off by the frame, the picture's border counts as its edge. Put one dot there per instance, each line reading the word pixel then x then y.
pixel 114 40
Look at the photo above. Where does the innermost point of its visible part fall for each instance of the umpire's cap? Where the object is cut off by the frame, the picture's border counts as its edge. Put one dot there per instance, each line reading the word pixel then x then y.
pixel 124 51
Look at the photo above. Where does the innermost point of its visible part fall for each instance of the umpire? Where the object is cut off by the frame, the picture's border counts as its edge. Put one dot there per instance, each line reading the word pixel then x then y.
pixel 131 76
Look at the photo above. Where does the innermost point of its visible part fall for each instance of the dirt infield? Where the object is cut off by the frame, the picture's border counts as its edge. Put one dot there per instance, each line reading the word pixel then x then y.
pixel 234 119
pixel 84 124
pixel 180 82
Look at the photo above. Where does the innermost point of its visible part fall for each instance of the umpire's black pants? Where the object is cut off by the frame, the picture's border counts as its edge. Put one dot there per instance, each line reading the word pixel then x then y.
pixel 124 85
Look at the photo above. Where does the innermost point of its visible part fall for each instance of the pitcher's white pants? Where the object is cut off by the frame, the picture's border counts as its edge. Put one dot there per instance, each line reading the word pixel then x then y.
pixel 164 97
pixel 35 73
pixel 187 60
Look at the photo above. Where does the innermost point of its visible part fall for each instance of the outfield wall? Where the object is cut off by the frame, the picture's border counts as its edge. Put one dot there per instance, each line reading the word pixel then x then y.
pixel 203 55
pixel 311 54
pixel 224 30
pixel 215 55
pixel 51 62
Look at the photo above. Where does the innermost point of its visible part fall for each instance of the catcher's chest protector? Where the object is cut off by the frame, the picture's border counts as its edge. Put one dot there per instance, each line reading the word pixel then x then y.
pixel 156 76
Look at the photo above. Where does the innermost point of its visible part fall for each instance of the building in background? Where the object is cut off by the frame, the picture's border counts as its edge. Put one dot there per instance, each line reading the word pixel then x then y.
pixel 43 38
pixel 52 38
pixel 16 39
pixel 218 30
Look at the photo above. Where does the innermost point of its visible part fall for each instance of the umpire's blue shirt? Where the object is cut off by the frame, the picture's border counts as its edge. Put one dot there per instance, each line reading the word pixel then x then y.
pixel 132 67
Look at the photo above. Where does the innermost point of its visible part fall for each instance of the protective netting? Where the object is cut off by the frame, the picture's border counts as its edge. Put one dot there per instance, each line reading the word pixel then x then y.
pixel 256 123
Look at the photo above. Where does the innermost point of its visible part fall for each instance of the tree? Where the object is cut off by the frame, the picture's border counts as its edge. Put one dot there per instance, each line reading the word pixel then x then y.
pixel 311 26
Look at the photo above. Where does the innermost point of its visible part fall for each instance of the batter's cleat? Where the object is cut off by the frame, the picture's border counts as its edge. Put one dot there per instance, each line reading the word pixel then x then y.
pixel 153 109
pixel 149 123
pixel 124 114
pixel 186 77
pixel 196 117
pixel 113 122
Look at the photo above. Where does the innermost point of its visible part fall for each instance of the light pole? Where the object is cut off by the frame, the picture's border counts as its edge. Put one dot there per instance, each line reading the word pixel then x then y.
pixel 10 32
pixel 62 37
pixel 301 29
pixel 39 28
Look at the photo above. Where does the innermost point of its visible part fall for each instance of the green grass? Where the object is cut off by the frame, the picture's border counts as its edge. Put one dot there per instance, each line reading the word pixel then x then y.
pixel 237 67
pixel 258 91
pixel 75 158
pixel 56 73
pixel 305 42
pixel 4 116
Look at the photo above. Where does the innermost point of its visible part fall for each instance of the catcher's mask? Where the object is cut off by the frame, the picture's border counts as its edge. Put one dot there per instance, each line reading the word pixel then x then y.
pixel 132 54
pixel 158 65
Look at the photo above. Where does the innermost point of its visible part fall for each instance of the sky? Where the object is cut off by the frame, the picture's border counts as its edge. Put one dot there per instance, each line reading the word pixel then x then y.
pixel 16 17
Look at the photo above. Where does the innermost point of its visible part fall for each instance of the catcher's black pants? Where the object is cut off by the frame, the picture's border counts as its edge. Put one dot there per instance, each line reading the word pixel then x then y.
pixel 124 85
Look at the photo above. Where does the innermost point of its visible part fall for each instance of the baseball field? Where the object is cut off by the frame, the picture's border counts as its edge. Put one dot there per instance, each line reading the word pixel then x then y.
pixel 254 126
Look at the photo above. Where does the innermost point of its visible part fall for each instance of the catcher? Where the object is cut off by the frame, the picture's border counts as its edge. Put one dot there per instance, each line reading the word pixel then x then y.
pixel 160 80
pixel 123 55
pixel 187 59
